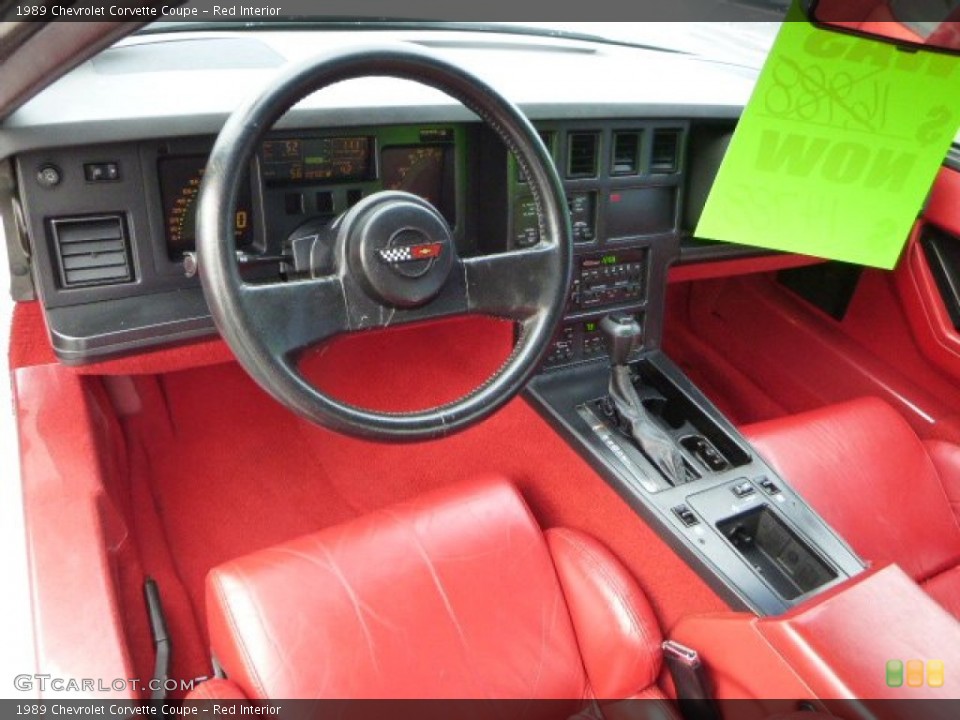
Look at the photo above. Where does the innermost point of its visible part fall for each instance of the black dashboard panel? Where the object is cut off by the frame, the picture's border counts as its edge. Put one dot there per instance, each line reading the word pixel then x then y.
pixel 152 190
pixel 626 183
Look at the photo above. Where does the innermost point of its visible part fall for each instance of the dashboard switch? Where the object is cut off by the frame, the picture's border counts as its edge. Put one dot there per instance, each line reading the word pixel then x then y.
pixel 49 176
pixel 293 203
pixel 325 202
pixel 101 172
pixel 686 515
pixel 768 486
pixel 743 489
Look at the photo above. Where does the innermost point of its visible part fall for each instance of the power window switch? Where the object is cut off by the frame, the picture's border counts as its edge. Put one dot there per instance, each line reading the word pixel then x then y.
pixel 768 486
pixel 685 515
pixel 743 489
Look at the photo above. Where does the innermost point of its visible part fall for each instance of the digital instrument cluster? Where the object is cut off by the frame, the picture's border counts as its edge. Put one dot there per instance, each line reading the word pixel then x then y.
pixel 318 167
pixel 424 170
pixel 180 178
pixel 324 159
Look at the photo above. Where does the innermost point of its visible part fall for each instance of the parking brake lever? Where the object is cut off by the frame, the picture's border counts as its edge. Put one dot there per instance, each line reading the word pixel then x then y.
pixel 623 335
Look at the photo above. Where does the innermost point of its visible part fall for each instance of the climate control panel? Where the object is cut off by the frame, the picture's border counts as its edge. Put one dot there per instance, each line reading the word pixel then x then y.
pixel 580 341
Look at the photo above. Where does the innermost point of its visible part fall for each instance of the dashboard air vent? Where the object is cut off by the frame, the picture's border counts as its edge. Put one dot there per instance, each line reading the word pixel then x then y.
pixel 92 250
pixel 626 153
pixel 582 161
pixel 666 151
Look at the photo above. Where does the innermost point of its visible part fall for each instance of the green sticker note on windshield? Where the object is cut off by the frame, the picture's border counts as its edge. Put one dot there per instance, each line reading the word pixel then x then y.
pixel 837 148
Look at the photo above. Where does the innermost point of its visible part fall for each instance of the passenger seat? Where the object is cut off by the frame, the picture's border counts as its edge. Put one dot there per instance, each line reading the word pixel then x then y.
pixel 893 497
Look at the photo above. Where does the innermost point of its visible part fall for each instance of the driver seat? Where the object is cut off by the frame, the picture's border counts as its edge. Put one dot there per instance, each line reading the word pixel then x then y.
pixel 456 594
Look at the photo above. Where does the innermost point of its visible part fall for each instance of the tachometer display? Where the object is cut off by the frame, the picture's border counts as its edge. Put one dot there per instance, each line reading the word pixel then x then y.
pixel 424 170
pixel 180 178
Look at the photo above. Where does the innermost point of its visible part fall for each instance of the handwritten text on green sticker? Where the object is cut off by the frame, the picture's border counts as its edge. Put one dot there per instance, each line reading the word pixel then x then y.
pixel 837 148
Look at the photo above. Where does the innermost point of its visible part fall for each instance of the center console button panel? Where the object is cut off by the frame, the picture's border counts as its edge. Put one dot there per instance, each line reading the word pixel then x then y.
pixel 624 216
pixel 704 451
pixel 616 279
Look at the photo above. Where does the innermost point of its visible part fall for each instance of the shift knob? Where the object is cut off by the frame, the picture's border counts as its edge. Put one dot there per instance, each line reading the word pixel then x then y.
pixel 623 335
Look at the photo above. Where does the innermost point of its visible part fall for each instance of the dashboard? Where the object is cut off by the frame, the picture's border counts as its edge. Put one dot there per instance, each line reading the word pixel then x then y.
pixel 108 189
pixel 111 224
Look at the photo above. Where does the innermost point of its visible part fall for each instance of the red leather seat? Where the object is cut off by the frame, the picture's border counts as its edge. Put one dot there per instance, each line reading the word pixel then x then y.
pixel 457 594
pixel 893 497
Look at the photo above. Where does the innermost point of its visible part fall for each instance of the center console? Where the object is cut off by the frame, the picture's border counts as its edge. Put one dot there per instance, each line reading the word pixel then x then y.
pixel 732 517
pixel 608 387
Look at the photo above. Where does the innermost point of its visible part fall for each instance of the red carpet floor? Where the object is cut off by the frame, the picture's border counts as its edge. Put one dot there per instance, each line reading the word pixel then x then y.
pixel 230 471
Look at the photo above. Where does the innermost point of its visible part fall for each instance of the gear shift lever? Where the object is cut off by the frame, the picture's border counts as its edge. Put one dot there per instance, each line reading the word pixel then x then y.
pixel 623 335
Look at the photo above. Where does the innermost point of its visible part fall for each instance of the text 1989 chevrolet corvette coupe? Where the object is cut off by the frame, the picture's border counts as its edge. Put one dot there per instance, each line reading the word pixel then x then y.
pixel 382 360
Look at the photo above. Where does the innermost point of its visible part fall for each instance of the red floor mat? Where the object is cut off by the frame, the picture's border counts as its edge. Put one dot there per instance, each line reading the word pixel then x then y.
pixel 231 471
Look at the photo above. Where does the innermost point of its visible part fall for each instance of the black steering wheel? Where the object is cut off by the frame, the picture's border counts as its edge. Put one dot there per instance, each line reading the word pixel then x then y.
pixel 394 256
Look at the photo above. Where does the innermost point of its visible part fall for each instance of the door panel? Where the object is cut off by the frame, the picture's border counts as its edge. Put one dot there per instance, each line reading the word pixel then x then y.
pixel 928 276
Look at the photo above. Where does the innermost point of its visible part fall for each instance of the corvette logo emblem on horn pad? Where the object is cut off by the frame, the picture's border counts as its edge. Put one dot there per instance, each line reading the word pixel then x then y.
pixel 411 253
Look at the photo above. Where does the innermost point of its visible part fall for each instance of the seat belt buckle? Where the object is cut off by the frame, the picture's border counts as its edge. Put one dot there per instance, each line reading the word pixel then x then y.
pixel 694 694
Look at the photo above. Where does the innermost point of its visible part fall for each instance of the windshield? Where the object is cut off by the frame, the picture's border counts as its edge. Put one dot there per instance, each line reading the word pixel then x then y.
pixel 748 42
pixel 743 43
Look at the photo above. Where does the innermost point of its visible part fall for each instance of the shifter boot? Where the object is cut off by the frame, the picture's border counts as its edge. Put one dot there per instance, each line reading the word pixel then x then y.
pixel 658 446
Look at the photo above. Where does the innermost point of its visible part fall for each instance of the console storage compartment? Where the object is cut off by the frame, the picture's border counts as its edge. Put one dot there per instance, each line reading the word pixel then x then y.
pixel 776 552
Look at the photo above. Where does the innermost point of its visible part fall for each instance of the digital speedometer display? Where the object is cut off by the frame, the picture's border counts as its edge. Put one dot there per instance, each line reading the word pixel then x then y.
pixel 180 178
pixel 424 170
pixel 325 159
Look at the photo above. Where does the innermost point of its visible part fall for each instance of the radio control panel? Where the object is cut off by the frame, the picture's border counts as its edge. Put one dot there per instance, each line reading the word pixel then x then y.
pixel 607 280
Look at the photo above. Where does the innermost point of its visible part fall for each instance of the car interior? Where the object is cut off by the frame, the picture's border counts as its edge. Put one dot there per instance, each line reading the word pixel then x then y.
pixel 398 371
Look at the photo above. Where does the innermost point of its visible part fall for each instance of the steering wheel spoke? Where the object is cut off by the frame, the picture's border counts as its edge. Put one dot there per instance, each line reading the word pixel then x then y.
pixel 514 284
pixel 293 316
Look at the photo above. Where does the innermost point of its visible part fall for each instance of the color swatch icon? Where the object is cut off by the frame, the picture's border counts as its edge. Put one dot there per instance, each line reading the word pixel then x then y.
pixel 935 673
pixel 894 673
pixel 912 673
